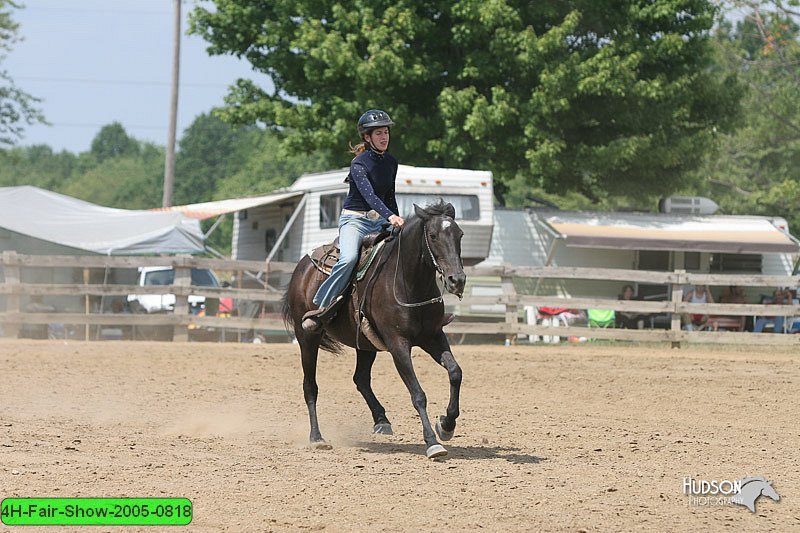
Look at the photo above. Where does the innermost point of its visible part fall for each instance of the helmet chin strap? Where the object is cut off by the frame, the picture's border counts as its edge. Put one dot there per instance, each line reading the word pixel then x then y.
pixel 368 140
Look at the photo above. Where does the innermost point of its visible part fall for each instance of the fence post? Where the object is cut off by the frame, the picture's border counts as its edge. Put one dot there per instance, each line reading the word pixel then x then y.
pixel 183 278
pixel 677 298
pixel 87 305
pixel 509 294
pixel 12 279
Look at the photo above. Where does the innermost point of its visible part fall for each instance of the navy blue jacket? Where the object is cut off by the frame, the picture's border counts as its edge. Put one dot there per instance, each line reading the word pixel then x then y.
pixel 372 184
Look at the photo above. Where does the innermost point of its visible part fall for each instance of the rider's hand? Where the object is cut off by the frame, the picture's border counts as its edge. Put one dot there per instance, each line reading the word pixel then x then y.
pixel 396 221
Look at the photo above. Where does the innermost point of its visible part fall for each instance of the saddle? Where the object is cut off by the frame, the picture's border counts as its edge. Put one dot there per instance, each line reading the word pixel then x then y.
pixel 325 257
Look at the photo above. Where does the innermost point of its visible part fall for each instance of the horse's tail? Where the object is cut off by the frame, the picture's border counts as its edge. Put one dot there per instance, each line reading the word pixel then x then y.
pixel 331 345
pixel 286 312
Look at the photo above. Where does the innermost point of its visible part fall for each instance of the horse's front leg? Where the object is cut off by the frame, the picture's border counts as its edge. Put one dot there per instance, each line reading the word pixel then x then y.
pixel 401 353
pixel 439 348
pixel 362 377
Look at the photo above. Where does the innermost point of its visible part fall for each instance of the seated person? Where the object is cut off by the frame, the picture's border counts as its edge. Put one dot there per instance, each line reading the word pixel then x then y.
pixel 732 294
pixel 698 295
pixel 629 319
pixel 779 297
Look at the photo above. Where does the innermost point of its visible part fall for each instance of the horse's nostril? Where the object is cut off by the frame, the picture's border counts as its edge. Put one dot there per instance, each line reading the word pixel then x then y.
pixel 457 279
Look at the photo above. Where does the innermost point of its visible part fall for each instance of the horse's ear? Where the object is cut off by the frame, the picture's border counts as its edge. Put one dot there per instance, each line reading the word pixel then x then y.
pixel 421 213
pixel 450 211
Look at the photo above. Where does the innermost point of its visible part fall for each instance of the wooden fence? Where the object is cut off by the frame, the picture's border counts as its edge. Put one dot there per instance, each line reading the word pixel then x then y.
pixel 507 324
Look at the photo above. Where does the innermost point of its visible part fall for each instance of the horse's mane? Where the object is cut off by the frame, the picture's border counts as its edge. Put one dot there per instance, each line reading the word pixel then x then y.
pixel 437 209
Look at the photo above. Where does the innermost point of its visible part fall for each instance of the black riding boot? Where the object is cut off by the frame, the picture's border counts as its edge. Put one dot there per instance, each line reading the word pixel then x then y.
pixel 315 319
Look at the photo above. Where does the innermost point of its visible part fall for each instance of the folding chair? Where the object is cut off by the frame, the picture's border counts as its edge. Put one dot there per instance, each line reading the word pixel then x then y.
pixel 600 318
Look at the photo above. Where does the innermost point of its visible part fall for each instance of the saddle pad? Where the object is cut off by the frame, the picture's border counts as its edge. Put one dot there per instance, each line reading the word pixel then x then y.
pixel 325 257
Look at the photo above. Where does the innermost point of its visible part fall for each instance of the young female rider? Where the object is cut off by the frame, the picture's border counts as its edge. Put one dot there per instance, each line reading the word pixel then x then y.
pixel 370 203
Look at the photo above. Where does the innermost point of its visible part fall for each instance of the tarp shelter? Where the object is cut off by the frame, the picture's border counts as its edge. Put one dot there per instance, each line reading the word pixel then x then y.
pixel 33 219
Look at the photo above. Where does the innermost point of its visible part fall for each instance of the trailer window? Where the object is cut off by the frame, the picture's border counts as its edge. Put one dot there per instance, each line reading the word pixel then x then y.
pixel 749 263
pixel 467 207
pixel 330 206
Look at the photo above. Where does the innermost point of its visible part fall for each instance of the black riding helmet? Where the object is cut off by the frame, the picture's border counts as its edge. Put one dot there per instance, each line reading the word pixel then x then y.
pixel 374 118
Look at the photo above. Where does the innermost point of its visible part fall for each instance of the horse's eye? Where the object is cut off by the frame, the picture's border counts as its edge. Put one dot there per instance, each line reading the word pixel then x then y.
pixel 432 236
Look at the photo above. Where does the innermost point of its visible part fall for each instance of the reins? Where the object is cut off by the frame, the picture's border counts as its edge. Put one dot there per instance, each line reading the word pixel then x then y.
pixel 397 267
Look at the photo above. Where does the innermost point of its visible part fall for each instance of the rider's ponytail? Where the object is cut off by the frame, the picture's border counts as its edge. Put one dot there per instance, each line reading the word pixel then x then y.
pixel 358 149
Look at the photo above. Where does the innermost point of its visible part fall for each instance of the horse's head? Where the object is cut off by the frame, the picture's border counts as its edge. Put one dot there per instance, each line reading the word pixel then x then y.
pixel 768 491
pixel 443 240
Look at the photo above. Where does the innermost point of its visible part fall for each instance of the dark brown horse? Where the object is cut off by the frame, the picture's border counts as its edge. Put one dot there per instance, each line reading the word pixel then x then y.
pixel 400 298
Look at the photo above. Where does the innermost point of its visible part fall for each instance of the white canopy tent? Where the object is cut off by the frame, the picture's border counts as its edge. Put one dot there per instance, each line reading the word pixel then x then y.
pixel 75 224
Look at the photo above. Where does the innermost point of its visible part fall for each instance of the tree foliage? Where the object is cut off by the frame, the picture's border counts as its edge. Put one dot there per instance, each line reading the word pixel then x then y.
pixel 588 96
pixel 210 150
pixel 17 108
pixel 113 141
pixel 756 168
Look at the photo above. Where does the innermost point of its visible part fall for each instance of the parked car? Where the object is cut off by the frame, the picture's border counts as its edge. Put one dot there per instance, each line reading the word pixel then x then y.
pixel 164 303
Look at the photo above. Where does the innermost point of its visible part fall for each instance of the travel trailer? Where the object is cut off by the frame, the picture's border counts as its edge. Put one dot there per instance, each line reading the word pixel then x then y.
pixel 712 244
pixel 289 223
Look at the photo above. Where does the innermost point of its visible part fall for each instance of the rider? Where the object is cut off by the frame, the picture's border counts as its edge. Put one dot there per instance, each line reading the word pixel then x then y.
pixel 370 204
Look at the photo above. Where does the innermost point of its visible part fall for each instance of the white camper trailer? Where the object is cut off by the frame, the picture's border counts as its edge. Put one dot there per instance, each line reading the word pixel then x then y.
pixel 289 223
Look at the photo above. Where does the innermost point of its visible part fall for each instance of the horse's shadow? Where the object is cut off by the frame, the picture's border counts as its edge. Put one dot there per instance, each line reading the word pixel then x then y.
pixel 510 454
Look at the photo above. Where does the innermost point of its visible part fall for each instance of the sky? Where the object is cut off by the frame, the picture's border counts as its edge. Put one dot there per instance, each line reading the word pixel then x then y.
pixel 93 62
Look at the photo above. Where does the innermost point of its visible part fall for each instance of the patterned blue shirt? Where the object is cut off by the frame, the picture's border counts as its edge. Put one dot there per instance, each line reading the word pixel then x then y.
pixel 371 180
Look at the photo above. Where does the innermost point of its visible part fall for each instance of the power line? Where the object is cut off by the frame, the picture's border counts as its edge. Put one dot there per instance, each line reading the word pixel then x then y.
pixel 101 10
pixel 116 82
pixel 87 125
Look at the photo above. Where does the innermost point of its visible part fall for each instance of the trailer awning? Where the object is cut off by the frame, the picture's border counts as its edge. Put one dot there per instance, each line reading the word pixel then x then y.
pixel 205 210
pixel 635 231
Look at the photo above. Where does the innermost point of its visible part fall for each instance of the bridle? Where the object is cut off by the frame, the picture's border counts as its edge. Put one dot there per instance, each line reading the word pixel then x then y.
pixel 436 265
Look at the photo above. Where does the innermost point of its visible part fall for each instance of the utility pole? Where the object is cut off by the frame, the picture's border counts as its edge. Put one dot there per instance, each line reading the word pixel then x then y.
pixel 169 163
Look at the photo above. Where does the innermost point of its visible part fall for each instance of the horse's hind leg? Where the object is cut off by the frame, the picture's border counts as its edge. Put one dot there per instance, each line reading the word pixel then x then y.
pixel 309 349
pixel 439 349
pixel 402 361
pixel 363 380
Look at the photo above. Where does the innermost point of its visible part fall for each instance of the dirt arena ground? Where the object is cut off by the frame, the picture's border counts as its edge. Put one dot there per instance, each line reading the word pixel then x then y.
pixel 551 438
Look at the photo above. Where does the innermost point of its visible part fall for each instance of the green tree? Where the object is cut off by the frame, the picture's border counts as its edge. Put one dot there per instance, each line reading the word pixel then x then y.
pixel 589 96
pixel 210 151
pixel 113 141
pixel 17 108
pixel 126 181
pixel 756 169
pixel 268 168
pixel 38 166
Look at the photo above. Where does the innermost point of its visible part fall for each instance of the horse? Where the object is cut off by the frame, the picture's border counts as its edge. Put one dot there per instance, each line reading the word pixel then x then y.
pixel 752 489
pixel 399 296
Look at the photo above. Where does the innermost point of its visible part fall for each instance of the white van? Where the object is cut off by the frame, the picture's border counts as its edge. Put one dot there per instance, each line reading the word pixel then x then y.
pixel 163 303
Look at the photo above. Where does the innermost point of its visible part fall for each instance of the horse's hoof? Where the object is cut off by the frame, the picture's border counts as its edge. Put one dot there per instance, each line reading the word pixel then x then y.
pixel 443 434
pixel 383 428
pixel 437 450
pixel 320 445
